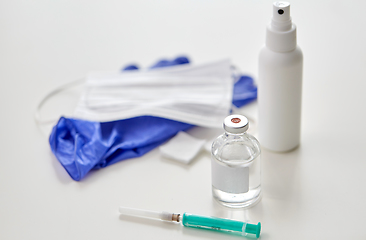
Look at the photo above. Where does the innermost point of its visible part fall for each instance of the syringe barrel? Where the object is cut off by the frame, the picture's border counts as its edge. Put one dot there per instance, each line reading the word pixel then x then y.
pixel 221 224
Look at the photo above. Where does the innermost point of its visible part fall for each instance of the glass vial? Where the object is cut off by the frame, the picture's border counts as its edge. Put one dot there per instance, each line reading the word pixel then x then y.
pixel 235 165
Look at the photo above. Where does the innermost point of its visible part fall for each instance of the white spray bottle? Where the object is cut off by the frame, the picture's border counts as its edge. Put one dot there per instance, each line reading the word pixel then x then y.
pixel 279 83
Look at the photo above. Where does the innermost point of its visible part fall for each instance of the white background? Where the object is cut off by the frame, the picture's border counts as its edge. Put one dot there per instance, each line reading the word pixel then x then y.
pixel 315 192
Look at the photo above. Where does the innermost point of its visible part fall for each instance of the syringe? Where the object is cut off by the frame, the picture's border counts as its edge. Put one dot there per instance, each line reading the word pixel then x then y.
pixel 197 221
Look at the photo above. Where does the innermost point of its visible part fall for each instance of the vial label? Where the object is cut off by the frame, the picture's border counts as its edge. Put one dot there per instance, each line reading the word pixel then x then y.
pixel 229 179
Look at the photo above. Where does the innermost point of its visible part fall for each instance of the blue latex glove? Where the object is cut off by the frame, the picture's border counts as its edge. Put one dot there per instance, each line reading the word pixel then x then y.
pixel 244 91
pixel 81 146
pixel 167 63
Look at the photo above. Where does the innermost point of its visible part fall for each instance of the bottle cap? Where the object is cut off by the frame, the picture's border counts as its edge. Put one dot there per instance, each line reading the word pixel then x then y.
pixel 236 124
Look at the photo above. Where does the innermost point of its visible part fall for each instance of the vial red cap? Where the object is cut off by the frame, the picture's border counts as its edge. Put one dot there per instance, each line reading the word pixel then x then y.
pixel 236 124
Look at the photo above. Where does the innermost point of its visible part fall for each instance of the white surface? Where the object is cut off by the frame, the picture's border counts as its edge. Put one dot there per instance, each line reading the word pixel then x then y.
pixel 315 192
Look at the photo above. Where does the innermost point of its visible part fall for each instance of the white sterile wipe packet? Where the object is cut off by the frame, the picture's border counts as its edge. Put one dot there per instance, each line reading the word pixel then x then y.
pixel 183 147
pixel 200 95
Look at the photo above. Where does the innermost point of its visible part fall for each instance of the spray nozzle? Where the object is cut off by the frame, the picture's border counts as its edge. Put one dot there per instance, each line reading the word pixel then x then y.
pixel 281 19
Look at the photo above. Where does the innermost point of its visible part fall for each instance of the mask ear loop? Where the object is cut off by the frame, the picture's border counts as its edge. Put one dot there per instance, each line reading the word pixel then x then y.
pixel 67 86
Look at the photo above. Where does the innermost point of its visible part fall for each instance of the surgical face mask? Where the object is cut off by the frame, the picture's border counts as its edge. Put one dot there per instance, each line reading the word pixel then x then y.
pixel 82 145
pixel 198 95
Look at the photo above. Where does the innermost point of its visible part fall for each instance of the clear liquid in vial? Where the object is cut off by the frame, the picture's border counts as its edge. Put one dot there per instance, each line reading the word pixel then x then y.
pixel 230 163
